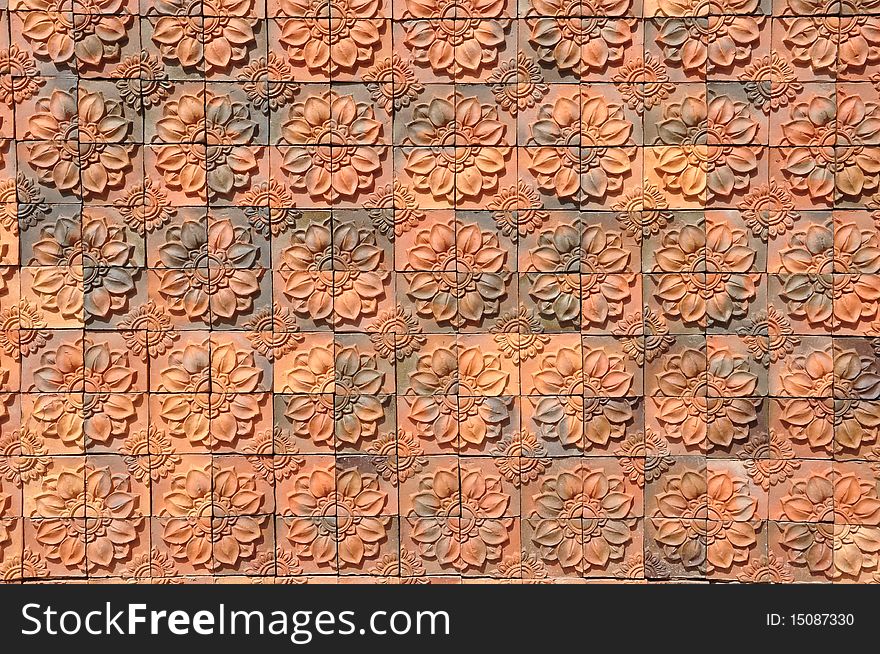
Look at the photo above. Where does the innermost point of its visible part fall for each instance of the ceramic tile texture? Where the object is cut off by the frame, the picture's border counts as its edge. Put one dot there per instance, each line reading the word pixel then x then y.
pixel 447 291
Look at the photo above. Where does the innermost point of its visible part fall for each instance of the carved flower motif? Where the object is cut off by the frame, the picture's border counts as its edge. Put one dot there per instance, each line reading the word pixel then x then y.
pixel 337 517
pixel 707 399
pixel 837 524
pixel 527 568
pixel 644 83
pixel 460 523
pixel 147 330
pixel 644 457
pixel 460 147
pixel 708 147
pixel 340 390
pixel 273 332
pixel 705 520
pixel 397 456
pixel 768 210
pixel 577 45
pixel 830 274
pixel 395 334
pixel 458 396
pixel 210 392
pixel 644 335
pixel 832 398
pixel 215 37
pixel 707 278
pixel 149 455
pixel 145 208
pixel 584 147
pixel 79 142
pixel 209 270
pixel 518 210
pixel 767 570
pixel 333 277
pixel 580 519
pixel 518 84
pixel 643 212
pixel 770 83
pixel 455 37
pixel 329 135
pixel 153 566
pixel 769 460
pixel 392 83
pixel 769 336
pixel 458 274
pixel 269 207
pixel 27 566
pixel 584 403
pixel 273 455
pixel 22 329
pixel 213 519
pixel 520 458
pixel 393 209
pixel 406 568
pixel 331 39
pixel 93 36
pixel 90 509
pixel 84 389
pixel 826 146
pixel 831 43
pixel 693 39
pixel 518 334
pixel 20 79
pixel 142 81
pixel 23 457
pixel 206 152
pixel 267 83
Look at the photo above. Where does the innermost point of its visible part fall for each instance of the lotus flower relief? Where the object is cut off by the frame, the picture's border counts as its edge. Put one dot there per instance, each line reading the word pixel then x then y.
pixel 833 43
pixel 585 45
pixel 458 274
pixel 209 271
pixel 827 147
pixel 339 519
pixel 583 276
pixel 459 400
pixel 583 147
pixel 336 395
pixel 329 39
pixel 79 144
pixel 459 519
pixel 832 398
pixel 829 274
pixel 90 36
pixel 834 525
pixel 580 520
pixel 695 41
pixel 707 400
pixel 332 153
pixel 89 508
pixel 706 521
pixel 583 400
pixel 455 37
pixel 333 277
pixel 58 273
pixel 210 392
pixel 213 33
pixel 212 517
pixel 207 150
pixel 707 276
pixel 85 391
pixel 706 149
pixel 461 147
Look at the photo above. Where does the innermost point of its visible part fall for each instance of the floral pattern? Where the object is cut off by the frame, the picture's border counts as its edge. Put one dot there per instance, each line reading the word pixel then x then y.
pixel 439 291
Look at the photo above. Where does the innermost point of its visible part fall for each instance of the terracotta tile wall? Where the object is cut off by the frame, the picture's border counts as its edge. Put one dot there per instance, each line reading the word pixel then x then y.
pixel 439 290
